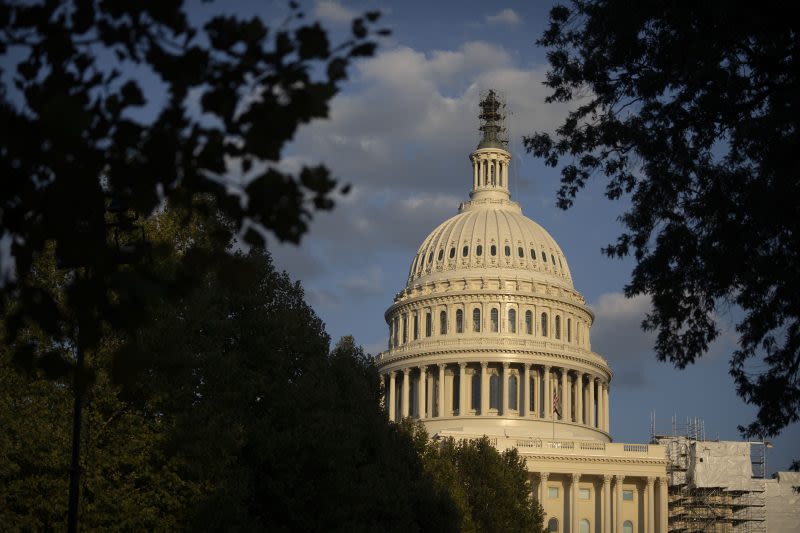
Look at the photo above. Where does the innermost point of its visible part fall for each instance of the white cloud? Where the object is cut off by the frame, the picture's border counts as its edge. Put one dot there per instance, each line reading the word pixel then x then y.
pixel 369 282
pixel 333 12
pixel 507 17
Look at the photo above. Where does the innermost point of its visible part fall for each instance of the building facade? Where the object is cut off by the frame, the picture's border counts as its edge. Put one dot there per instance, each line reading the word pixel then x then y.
pixel 490 337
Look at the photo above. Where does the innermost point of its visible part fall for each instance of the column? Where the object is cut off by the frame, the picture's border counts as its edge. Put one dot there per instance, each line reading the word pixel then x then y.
pixel 607 503
pixel 601 410
pixel 590 403
pixel 406 390
pixel 564 394
pixel 618 504
pixel 651 508
pixel 663 498
pixel 505 176
pixel 573 503
pixel 526 395
pixel 462 384
pixel 537 409
pixel 391 396
pixel 548 393
pixel 607 411
pixel 440 410
pixel 484 387
pixel 504 389
pixel 542 482
pixel 474 174
pixel 421 389
pixel 579 398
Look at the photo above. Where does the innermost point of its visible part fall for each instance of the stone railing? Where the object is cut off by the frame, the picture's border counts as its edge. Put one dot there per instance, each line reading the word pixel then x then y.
pixel 570 447
pixel 484 341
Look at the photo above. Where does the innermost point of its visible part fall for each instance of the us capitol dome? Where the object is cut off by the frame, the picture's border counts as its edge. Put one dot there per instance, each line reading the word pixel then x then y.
pixel 490 337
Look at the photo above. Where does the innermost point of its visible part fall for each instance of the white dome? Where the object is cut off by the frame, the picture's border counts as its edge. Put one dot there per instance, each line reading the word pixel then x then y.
pixel 490 236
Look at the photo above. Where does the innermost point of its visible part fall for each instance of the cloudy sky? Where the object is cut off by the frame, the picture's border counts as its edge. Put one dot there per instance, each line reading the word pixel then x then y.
pixel 401 132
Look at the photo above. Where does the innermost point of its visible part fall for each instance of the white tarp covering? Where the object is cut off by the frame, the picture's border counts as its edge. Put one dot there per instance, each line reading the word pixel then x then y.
pixel 721 464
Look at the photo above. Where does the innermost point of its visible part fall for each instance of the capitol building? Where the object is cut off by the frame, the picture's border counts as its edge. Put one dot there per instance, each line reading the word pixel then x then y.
pixel 490 337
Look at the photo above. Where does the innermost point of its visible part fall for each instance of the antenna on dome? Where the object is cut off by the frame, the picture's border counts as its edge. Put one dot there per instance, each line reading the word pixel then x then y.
pixel 493 120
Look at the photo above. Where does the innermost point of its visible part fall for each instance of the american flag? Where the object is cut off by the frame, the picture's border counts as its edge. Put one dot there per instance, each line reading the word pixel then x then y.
pixel 556 403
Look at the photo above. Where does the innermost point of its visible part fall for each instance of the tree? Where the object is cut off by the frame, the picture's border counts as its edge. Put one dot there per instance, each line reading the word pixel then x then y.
pixel 491 490
pixel 691 110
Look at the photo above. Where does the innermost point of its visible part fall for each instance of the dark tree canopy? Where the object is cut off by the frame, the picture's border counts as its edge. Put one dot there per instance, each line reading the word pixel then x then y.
pixel 110 109
pixel 691 109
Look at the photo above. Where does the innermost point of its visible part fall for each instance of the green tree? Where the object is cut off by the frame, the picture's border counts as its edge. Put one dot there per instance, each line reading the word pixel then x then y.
pixel 690 110
pixel 491 489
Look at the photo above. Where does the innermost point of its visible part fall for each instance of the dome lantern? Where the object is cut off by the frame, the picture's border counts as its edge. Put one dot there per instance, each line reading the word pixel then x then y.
pixel 491 158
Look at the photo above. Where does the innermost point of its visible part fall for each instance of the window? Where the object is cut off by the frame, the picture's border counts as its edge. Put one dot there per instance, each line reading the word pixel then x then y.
pixel 456 400
pixel 416 328
pixel 465 251
pixel 584 526
pixel 512 392
pixel 559 264
pixel 544 324
pixel 428 325
pixel 494 392
pixel 584 494
pixel 533 254
pixel 552 492
pixel 405 329
pixel 493 250
pixel 479 250
pixel 627 495
pixel 443 323
pixel 476 320
pixel 476 392
pixel 396 330
pixel 508 251
pixel 529 322
pixel 430 258
pixel 520 252
pixel 544 257
pixel 627 527
pixel 553 259
pixel 452 252
pixel 495 320
pixel 441 254
pixel 569 330
pixel 558 327
pixel 512 320
pixel 552 524
pixel 459 321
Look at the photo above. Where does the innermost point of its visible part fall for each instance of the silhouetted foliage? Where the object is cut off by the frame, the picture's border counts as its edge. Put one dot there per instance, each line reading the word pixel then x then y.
pixel 691 110
pixel 110 109
pixel 491 490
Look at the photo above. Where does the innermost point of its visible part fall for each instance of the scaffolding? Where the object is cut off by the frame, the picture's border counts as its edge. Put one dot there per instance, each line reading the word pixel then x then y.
pixel 714 486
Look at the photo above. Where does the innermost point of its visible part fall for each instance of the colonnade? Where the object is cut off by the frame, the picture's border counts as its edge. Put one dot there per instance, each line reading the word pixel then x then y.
pixel 606 494
pixel 444 390
pixel 489 169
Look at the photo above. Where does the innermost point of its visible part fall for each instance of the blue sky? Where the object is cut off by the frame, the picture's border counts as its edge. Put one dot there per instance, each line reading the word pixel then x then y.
pixel 400 132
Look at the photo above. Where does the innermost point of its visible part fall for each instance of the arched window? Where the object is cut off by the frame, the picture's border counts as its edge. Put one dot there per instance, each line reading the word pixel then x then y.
pixel 405 329
pixel 558 327
pixel 529 322
pixel 569 330
pixel 494 392
pixel 584 526
pixel 396 330
pixel 452 252
pixel 476 320
pixel 627 527
pixel 552 258
pixel 456 398
pixel 512 392
pixel 544 324
pixel 428 325
pixel 495 320
pixel 552 525
pixel 544 257
pixel 391 334
pixel 459 321
pixel 443 323
pixel 508 251
pixel 493 166
pixel 485 172
pixel 441 254
pixel 416 328
pixel 520 252
pixel 478 250
pixel 533 254
pixel 493 250
pixel 500 173
pixel 465 251
pixel 512 320
pixel 476 392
